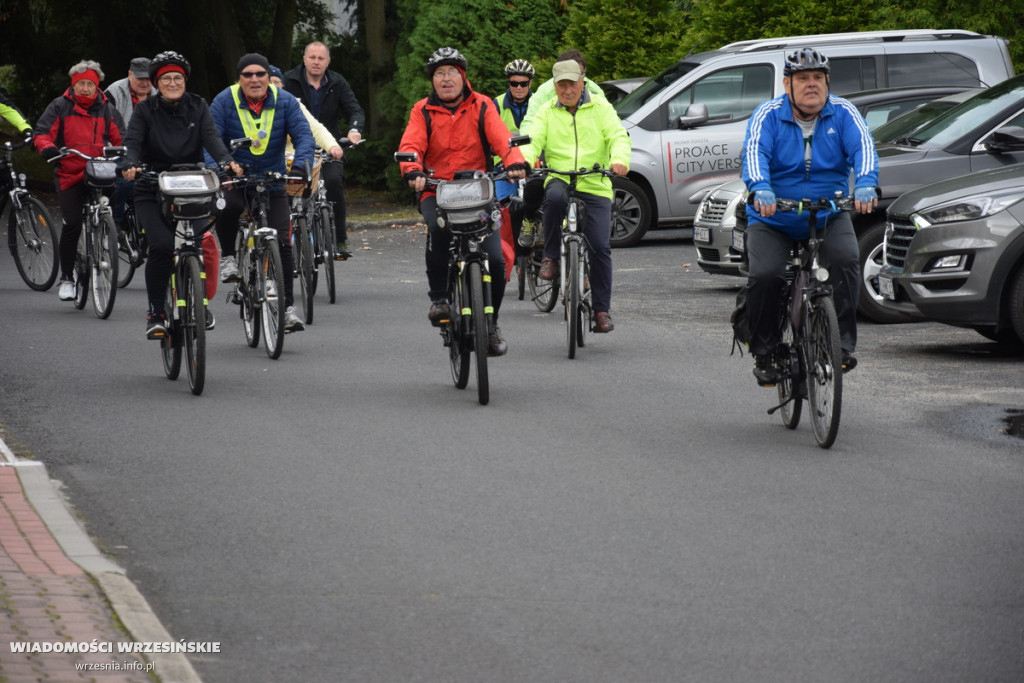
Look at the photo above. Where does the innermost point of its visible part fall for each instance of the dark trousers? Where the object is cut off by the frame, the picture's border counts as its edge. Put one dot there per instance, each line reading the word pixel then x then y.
pixel 438 242
pixel 597 228
pixel 333 174
pixel 768 252
pixel 279 217
pixel 71 202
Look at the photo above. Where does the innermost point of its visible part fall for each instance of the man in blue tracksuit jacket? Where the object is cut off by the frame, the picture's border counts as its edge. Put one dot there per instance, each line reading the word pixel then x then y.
pixel 804 145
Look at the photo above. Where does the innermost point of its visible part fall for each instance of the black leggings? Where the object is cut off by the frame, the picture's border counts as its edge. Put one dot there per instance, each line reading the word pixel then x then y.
pixel 279 218
pixel 71 202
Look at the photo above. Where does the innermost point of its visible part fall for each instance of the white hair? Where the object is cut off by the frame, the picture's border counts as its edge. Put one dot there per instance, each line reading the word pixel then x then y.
pixel 84 66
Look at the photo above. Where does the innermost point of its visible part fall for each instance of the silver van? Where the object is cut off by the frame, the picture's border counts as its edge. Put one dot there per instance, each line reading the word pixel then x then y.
pixel 687 124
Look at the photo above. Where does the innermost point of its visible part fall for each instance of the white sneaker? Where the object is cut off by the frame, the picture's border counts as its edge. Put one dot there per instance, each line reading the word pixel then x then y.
pixel 228 269
pixel 291 321
pixel 66 291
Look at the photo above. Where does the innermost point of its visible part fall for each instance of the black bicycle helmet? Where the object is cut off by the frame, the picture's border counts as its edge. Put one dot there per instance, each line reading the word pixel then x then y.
pixel 445 55
pixel 519 67
pixel 805 59
pixel 165 58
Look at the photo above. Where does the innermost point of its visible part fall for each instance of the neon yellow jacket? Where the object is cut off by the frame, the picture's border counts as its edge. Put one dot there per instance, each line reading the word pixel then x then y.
pixel 593 135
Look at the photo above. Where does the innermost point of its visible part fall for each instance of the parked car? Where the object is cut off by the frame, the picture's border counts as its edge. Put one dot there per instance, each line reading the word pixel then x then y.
pixel 616 89
pixel 687 123
pixel 882 105
pixel 955 143
pixel 954 250
pixel 902 128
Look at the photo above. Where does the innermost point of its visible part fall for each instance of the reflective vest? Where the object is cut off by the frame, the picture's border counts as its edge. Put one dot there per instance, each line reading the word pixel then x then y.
pixel 257 130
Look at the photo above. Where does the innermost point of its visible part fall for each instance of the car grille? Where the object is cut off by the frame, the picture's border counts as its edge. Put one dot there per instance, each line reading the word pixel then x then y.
pixel 899 232
pixel 712 210
pixel 707 254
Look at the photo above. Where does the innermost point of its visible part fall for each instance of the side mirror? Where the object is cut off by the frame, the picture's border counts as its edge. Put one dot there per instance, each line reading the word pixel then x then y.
pixel 406 157
pixel 696 115
pixel 1006 139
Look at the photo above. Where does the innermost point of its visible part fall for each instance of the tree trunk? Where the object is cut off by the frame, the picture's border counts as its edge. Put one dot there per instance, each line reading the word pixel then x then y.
pixel 381 66
pixel 284 28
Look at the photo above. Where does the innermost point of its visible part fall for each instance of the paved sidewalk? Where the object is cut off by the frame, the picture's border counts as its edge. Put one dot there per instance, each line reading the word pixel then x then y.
pixel 57 589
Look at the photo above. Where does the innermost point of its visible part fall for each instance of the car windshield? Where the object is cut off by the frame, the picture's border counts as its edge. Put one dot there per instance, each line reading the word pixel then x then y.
pixel 903 125
pixel 965 117
pixel 639 97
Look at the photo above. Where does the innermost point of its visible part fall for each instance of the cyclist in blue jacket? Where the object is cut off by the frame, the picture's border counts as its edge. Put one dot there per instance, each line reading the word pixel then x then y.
pixel 804 144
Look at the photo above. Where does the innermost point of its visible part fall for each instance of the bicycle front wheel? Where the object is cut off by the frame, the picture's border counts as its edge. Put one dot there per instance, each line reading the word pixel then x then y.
pixel 573 317
pixel 543 292
pixel 824 370
pixel 104 266
pixel 127 253
pixel 170 345
pixel 522 272
pixel 791 377
pixel 32 237
pixel 193 323
pixel 457 334
pixel 327 241
pixel 272 298
pixel 478 325
pixel 306 268
pixel 82 270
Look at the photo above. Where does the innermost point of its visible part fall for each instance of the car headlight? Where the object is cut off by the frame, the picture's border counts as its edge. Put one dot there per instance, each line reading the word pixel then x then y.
pixel 966 208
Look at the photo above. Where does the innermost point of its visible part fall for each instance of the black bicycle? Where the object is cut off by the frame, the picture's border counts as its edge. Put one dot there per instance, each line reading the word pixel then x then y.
pixel 808 358
pixel 31 231
pixel 132 246
pixel 468 209
pixel 189 199
pixel 543 293
pixel 96 262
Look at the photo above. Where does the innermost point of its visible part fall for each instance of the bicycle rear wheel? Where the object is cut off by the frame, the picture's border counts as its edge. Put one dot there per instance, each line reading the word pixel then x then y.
pixel 522 272
pixel 104 266
pixel 330 246
pixel 305 267
pixel 170 345
pixel 573 319
pixel 193 323
pixel 824 370
pixel 478 325
pixel 32 237
pixel 272 298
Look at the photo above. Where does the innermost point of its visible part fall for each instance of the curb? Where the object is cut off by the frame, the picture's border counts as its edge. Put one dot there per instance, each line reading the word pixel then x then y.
pixel 125 600
pixel 382 224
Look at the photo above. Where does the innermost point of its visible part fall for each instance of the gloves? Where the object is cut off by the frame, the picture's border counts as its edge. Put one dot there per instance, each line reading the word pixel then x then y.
pixel 518 167
pixel 297 175
pixel 764 197
pixel 50 152
pixel 413 175
pixel 865 195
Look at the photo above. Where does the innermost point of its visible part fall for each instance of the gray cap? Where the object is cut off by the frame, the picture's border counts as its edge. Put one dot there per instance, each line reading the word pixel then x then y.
pixel 139 67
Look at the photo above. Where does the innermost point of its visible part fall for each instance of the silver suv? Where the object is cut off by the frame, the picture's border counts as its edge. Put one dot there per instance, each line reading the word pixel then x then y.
pixel 687 123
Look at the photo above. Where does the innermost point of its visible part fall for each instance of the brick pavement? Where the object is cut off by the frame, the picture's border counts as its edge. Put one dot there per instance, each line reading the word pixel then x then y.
pixel 47 598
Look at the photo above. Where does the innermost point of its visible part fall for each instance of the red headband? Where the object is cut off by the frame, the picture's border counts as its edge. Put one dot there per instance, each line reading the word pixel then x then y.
pixel 88 74
pixel 168 68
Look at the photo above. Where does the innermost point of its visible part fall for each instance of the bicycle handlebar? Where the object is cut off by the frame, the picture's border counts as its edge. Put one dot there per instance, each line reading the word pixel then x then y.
pixel 110 153
pixel 11 146
pixel 839 202
pixel 595 170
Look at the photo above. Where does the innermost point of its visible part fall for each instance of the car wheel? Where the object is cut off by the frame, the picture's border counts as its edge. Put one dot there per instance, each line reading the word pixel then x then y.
pixel 631 213
pixel 870 303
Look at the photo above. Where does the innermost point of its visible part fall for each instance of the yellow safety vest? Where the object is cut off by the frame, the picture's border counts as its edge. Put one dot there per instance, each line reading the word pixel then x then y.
pixel 258 130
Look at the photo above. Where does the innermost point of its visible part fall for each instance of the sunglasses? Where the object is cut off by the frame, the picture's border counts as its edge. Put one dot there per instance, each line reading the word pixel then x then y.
pixel 519 84
pixel 253 74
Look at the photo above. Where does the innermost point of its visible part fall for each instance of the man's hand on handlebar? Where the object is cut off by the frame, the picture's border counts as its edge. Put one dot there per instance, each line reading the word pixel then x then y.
pixel 764 202
pixel 417 180
pixel 517 171
pixel 865 199
pixel 618 169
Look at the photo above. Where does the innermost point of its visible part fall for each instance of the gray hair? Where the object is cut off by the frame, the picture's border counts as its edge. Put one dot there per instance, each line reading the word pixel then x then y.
pixel 84 66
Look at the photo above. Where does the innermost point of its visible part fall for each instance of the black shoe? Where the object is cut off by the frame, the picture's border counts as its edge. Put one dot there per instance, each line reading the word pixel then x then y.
pixel 440 312
pixel 156 326
pixel 849 362
pixel 496 345
pixel 342 253
pixel 211 322
pixel 764 371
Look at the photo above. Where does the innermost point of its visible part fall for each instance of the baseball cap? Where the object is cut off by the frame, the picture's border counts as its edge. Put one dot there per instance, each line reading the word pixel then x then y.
pixel 568 70
pixel 139 67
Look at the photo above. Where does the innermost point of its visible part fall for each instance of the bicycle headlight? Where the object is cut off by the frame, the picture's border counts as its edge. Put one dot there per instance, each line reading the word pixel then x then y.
pixel 966 208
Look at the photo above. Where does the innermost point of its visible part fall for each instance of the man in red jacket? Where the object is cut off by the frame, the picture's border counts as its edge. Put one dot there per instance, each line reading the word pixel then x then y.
pixel 445 130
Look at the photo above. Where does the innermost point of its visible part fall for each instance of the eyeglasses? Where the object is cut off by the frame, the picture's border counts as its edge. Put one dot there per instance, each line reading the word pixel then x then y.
pixel 446 73
pixel 172 78
pixel 253 74
pixel 519 84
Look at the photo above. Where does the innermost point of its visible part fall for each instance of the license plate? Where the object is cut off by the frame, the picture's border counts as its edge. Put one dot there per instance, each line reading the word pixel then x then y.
pixel 701 234
pixel 886 287
pixel 738 240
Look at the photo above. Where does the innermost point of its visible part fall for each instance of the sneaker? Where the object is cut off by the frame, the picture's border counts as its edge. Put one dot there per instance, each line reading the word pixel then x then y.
pixel 156 326
pixel 548 269
pixel 342 253
pixel 849 362
pixel 211 322
pixel 228 269
pixel 66 291
pixel 440 312
pixel 765 373
pixel 496 345
pixel 526 235
pixel 271 289
pixel 291 321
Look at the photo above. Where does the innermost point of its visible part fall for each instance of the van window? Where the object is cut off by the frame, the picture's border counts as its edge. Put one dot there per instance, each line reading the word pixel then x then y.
pixel 941 68
pixel 730 94
pixel 852 74
pixel 639 97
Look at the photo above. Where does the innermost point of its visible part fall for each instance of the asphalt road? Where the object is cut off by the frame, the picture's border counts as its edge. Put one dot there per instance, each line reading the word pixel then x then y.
pixel 345 514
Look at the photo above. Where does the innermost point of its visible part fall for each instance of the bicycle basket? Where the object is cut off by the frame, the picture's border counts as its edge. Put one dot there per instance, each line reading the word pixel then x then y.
pixel 465 205
pixel 100 173
pixel 189 195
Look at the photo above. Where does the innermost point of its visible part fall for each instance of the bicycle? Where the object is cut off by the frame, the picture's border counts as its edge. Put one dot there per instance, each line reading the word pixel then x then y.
pixel 31 232
pixel 96 262
pixel 259 291
pixel 189 198
pixel 543 293
pixel 324 230
pixel 467 207
pixel 132 246
pixel 808 358
pixel 302 244
pixel 574 273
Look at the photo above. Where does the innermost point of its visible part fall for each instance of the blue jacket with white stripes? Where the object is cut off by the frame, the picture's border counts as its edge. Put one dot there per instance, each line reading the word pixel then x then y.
pixel 774 158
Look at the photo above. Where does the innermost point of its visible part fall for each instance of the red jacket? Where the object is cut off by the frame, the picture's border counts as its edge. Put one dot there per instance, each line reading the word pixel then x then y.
pixel 65 123
pixel 454 139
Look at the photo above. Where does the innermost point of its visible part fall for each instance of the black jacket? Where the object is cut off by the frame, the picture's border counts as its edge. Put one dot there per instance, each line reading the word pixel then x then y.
pixel 162 135
pixel 337 100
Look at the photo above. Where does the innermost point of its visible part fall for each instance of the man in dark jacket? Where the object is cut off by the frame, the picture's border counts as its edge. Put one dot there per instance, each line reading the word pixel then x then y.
pixel 328 96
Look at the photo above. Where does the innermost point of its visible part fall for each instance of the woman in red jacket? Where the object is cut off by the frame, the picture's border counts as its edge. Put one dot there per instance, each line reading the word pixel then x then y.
pixel 83 119
pixel 446 130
